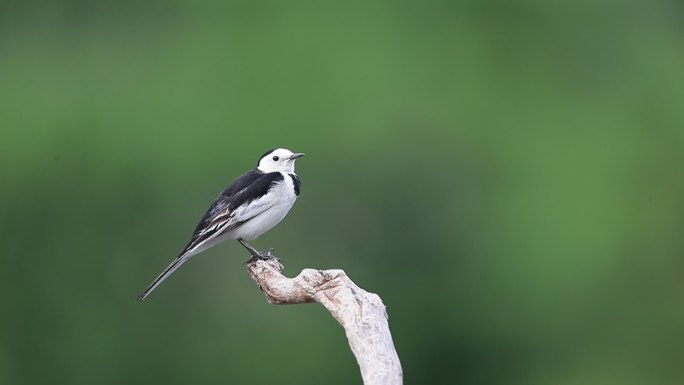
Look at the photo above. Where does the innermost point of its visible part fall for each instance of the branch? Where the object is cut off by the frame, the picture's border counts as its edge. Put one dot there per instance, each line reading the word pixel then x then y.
pixel 361 314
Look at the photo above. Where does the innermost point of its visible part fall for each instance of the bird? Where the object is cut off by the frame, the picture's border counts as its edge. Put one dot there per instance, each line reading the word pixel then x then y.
pixel 251 205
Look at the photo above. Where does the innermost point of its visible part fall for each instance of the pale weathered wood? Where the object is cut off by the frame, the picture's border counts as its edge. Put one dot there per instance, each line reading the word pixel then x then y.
pixel 361 314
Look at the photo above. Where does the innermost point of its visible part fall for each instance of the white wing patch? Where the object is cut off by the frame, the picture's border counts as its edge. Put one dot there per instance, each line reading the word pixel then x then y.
pixel 254 208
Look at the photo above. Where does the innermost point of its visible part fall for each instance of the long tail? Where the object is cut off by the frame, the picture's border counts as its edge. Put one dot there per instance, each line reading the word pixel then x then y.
pixel 165 274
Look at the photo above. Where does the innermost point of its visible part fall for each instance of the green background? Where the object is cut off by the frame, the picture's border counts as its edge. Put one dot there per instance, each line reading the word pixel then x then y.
pixel 506 175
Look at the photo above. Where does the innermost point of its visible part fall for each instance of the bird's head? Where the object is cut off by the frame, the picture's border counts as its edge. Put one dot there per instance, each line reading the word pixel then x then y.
pixel 278 160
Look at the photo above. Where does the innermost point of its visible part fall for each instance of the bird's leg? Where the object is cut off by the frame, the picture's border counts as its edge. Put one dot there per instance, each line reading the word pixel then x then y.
pixel 257 254
pixel 254 252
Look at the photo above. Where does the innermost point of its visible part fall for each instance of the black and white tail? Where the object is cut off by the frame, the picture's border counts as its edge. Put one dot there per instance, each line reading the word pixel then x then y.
pixel 165 274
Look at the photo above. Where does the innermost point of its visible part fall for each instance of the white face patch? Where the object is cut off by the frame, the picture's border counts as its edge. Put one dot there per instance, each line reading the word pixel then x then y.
pixel 277 161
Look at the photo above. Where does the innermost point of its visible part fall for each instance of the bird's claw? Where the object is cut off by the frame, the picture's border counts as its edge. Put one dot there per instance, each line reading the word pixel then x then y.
pixel 268 254
pixel 263 255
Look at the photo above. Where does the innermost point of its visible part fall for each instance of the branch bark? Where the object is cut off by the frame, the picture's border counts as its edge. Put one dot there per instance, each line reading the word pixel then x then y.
pixel 360 313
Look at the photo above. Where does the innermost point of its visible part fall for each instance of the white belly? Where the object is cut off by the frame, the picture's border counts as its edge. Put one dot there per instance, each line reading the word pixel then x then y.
pixel 284 197
pixel 262 223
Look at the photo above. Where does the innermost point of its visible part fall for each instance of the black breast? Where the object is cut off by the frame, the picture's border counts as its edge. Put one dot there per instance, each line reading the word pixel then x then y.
pixel 296 182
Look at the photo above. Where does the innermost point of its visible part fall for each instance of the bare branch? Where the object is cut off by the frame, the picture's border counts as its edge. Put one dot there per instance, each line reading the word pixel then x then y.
pixel 361 314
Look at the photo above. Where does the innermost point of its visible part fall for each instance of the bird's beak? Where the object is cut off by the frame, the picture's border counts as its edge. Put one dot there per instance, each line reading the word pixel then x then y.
pixel 297 155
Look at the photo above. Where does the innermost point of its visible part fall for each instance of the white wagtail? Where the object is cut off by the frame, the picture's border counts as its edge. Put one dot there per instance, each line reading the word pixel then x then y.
pixel 249 207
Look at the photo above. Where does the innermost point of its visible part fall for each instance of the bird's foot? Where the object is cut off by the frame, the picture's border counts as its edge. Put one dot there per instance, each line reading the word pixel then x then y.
pixel 263 255
pixel 268 254
pixel 258 255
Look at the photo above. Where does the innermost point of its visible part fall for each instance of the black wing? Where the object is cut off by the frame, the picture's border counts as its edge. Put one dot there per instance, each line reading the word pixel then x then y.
pixel 247 188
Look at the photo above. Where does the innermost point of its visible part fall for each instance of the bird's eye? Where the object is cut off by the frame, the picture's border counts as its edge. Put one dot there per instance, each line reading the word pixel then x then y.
pixel 275 158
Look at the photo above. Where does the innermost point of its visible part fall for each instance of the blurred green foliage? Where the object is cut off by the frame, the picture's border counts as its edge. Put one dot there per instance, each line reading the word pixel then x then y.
pixel 506 175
